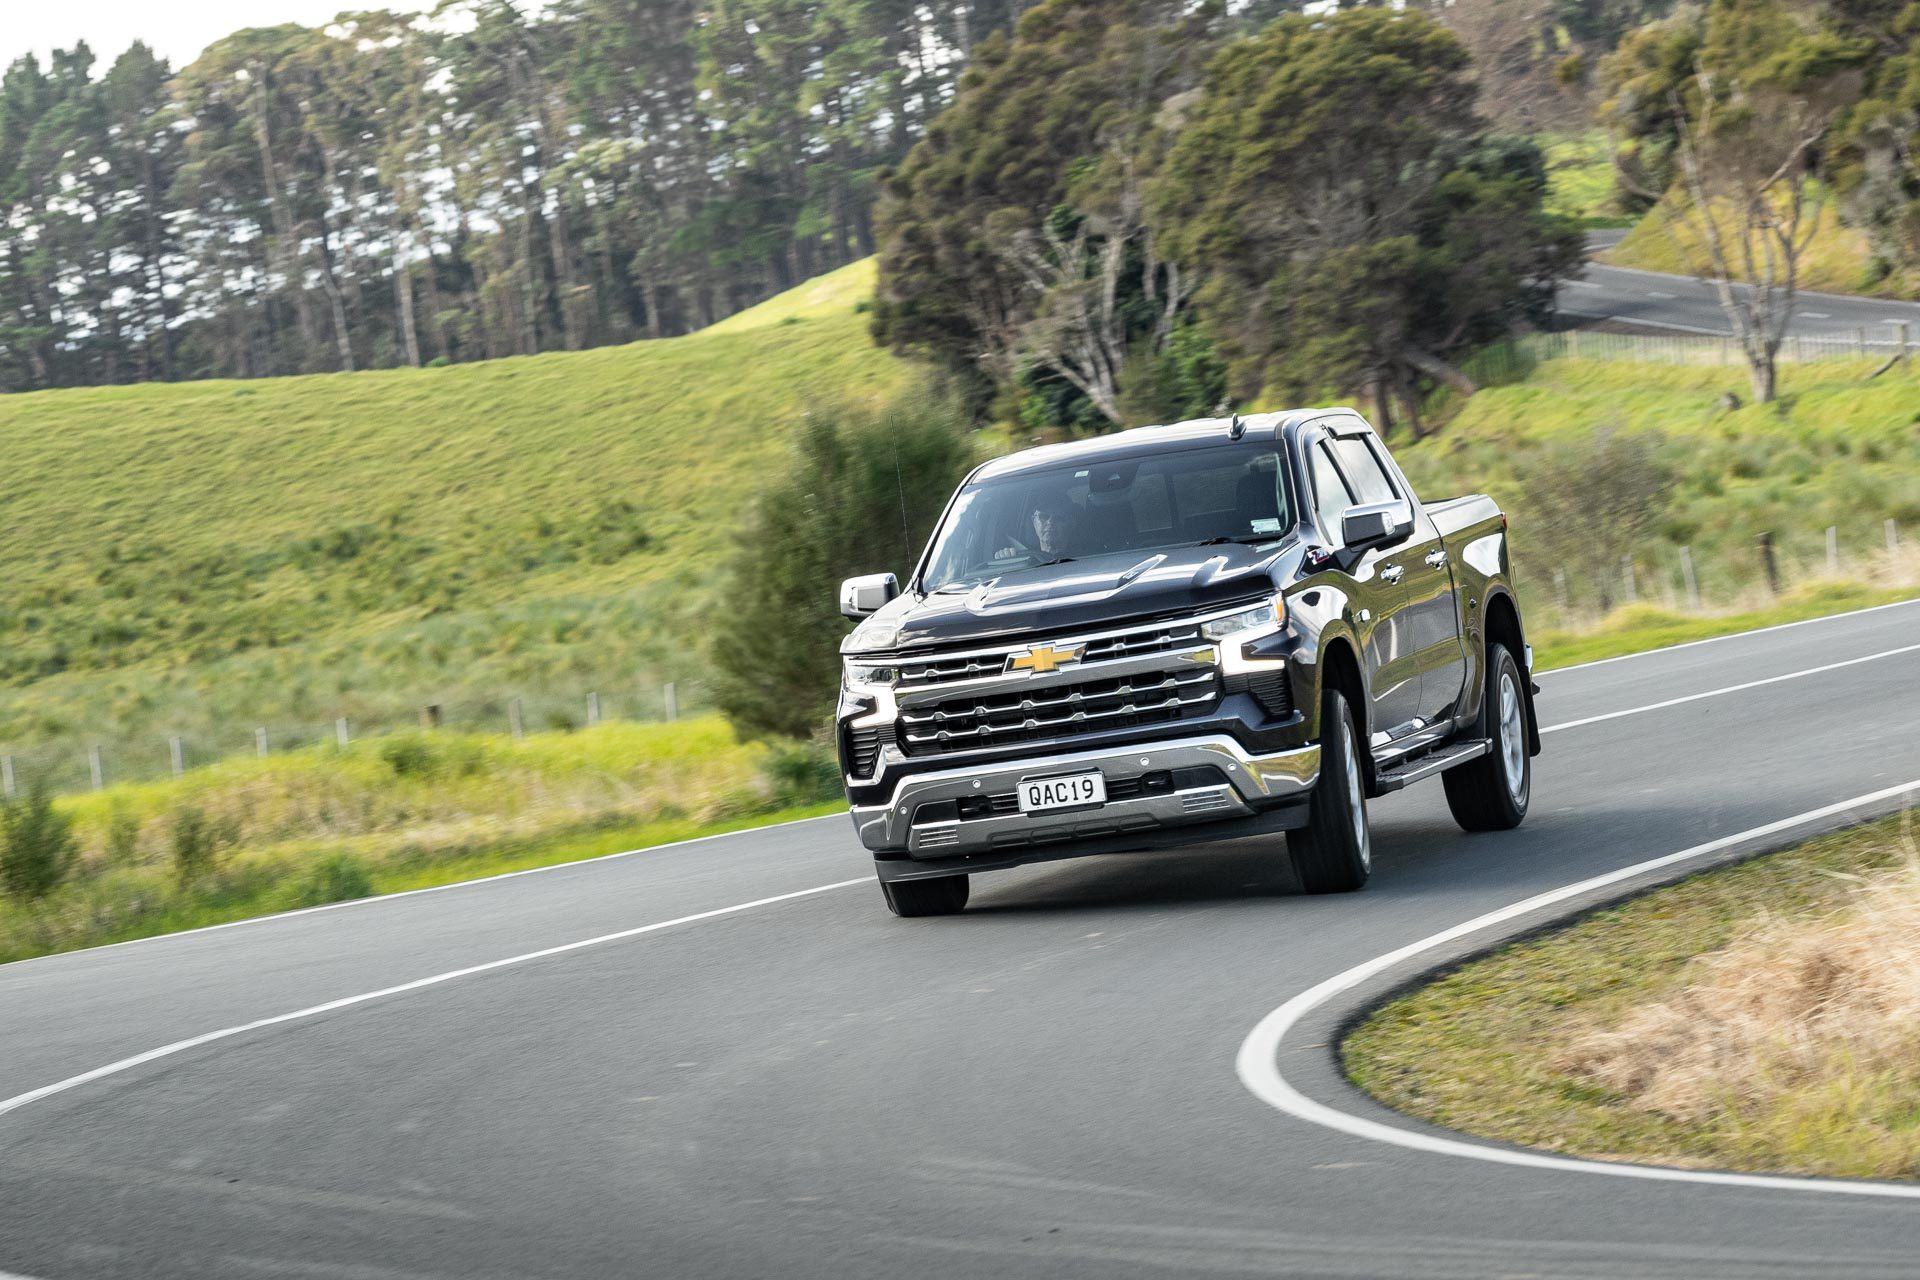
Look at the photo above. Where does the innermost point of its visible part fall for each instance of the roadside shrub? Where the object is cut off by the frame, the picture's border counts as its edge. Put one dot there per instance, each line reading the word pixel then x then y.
pixel 408 756
pixel 802 773
pixel 861 495
pixel 338 877
pixel 123 836
pixel 37 848
pixel 196 844
pixel 1589 501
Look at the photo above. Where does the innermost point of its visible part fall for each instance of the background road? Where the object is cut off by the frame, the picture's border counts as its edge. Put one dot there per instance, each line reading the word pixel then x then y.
pixel 1689 305
pixel 1042 1086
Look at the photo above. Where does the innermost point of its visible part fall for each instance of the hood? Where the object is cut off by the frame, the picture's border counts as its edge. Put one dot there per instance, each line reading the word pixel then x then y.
pixel 1086 594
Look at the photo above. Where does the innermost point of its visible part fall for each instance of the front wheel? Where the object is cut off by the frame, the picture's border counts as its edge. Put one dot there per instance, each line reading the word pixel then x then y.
pixel 1491 793
pixel 1333 853
pixel 944 896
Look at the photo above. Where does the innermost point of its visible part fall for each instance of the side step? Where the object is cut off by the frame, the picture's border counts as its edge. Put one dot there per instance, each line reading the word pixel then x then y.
pixel 1426 766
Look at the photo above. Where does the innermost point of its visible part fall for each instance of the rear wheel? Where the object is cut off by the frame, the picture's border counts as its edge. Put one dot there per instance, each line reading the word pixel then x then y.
pixel 1491 793
pixel 944 896
pixel 1333 853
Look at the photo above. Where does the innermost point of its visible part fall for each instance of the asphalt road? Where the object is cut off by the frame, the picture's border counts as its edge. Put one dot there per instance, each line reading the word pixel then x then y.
pixel 1685 304
pixel 1043 1086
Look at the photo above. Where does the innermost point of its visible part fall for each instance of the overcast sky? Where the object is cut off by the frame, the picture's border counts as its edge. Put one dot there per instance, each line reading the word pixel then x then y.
pixel 176 29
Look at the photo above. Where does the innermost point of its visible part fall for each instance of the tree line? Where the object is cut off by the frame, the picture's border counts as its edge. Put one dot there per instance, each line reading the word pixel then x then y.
pixel 387 191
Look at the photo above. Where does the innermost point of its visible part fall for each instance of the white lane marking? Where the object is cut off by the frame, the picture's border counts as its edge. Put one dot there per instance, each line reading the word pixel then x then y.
pixel 1731 635
pixel 1581 284
pixel 1655 293
pixel 1649 323
pixel 346 1002
pixel 1258 1062
pixel 379 898
pixel 1703 282
pixel 1816 315
pixel 1732 688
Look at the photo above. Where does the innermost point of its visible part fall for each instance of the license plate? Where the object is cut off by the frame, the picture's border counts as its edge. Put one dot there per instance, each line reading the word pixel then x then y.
pixel 1070 791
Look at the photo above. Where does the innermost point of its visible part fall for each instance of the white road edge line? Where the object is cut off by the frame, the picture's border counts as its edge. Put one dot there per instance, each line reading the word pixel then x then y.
pixel 346 1002
pixel 1732 688
pixel 1258 1062
pixel 1731 635
pixel 379 898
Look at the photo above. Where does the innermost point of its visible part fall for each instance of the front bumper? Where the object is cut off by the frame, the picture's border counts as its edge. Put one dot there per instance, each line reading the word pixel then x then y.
pixel 1203 779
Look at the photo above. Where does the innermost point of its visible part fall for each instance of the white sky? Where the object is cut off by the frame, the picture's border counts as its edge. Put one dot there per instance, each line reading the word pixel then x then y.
pixel 176 29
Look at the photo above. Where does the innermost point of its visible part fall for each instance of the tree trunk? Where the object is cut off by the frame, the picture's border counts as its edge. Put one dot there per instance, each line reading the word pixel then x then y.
pixel 403 294
pixel 1439 370
pixel 1762 369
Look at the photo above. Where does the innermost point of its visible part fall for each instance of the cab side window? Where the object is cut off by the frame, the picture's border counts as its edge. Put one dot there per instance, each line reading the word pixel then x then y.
pixel 1331 497
pixel 1362 466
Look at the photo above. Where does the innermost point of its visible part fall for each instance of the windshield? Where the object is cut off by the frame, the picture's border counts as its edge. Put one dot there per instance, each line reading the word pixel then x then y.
pixel 1186 498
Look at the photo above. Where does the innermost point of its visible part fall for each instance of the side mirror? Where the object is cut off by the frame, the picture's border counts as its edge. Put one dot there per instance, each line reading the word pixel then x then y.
pixel 864 595
pixel 1378 525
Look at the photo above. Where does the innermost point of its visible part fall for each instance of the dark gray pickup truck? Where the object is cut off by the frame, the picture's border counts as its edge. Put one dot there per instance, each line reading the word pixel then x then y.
pixel 1176 635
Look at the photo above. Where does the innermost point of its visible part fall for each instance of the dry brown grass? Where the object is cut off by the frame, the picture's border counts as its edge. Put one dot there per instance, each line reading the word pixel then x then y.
pixel 1762 1017
pixel 1828 1003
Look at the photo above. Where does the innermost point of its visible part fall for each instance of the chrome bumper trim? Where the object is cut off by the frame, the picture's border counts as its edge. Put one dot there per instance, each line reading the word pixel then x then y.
pixel 1250 779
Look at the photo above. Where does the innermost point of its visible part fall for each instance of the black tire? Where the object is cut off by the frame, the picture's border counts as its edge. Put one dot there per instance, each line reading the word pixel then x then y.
pixel 945 896
pixel 1333 853
pixel 1492 792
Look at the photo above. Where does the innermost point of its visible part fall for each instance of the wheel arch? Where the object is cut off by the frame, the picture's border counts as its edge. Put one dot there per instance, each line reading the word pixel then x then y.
pixel 1502 625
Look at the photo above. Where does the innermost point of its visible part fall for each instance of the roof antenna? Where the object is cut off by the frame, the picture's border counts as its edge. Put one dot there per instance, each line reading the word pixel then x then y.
pixel 1237 427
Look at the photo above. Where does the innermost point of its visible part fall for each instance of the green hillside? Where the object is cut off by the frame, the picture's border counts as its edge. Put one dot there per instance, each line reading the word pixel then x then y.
pixel 203 558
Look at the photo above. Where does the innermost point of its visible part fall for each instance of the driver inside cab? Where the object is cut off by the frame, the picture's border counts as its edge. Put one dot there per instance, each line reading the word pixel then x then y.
pixel 1050 526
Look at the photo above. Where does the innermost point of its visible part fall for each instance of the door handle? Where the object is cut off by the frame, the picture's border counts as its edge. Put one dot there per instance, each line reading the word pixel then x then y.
pixel 1436 558
pixel 1391 573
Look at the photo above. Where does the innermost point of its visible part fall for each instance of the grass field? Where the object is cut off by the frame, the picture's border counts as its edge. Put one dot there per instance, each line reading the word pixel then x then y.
pixel 1838 260
pixel 203 558
pixel 1580 179
pixel 248 836
pixel 1835 450
pixel 1765 1017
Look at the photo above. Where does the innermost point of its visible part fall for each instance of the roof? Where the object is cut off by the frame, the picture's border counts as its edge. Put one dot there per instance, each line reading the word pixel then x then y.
pixel 1198 433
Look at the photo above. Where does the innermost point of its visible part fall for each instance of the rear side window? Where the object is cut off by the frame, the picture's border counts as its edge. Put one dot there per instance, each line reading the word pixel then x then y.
pixel 1363 467
pixel 1331 497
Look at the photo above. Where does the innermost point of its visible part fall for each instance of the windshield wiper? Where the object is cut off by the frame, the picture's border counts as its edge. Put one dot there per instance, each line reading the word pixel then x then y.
pixel 1047 564
pixel 1235 537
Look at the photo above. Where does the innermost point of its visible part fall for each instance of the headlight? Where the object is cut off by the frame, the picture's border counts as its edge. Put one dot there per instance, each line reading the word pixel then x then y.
pixel 1265 615
pixel 870 672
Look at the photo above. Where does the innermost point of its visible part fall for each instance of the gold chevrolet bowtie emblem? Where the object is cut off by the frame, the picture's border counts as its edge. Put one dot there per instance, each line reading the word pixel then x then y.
pixel 1045 658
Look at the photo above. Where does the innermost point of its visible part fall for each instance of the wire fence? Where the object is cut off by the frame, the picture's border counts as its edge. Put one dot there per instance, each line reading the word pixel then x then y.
pixel 69 765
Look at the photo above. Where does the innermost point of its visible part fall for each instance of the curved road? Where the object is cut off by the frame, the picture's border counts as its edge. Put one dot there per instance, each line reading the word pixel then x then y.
pixel 1688 304
pixel 702 1082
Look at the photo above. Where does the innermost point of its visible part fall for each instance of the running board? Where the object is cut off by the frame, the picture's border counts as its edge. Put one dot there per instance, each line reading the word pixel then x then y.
pixel 1446 757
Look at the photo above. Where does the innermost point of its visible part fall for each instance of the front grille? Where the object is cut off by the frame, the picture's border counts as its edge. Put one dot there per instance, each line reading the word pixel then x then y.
pixel 863 745
pixel 1168 637
pixel 1057 711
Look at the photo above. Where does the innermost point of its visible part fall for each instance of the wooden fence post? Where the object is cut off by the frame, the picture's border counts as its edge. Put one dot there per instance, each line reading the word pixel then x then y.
pixel 96 767
pixel 1771 562
pixel 340 734
pixel 1893 538
pixel 1833 552
pixel 516 721
pixel 593 709
pixel 430 716
pixel 177 755
pixel 1626 577
pixel 1560 588
pixel 6 776
pixel 671 695
pixel 260 742
pixel 1686 573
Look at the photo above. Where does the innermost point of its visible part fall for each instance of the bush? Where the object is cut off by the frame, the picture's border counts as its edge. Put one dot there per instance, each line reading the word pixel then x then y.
pixel 803 773
pixel 123 836
pixel 37 848
pixel 196 844
pixel 338 877
pixel 860 496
